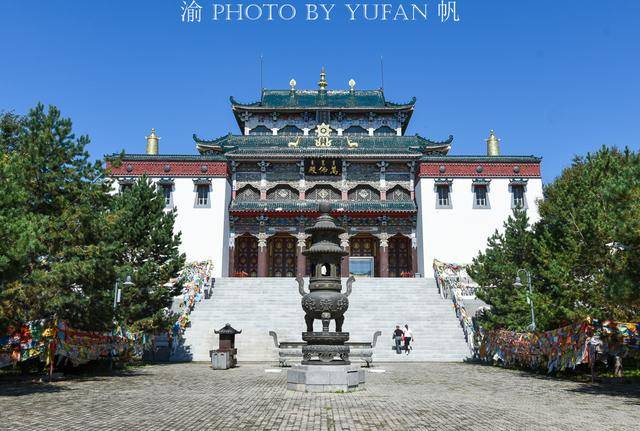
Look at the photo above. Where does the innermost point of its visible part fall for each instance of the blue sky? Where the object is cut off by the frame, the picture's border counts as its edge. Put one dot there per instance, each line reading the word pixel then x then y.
pixel 554 78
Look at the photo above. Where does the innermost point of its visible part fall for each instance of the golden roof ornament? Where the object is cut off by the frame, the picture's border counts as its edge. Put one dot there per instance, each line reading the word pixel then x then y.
pixel 352 85
pixel 324 132
pixel 152 142
pixel 323 80
pixel 493 144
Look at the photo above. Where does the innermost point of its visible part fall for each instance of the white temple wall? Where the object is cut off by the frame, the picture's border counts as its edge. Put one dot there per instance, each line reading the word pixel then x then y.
pixel 205 231
pixel 458 233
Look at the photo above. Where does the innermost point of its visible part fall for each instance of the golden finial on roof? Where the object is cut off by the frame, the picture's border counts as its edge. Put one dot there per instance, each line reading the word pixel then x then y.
pixel 352 85
pixel 292 84
pixel 493 144
pixel 152 142
pixel 323 80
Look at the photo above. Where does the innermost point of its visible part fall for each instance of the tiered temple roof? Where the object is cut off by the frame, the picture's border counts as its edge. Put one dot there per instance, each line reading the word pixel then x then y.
pixel 370 100
pixel 249 146
pixel 338 101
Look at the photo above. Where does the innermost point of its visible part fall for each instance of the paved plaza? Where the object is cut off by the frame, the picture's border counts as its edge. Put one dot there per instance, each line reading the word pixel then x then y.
pixel 415 396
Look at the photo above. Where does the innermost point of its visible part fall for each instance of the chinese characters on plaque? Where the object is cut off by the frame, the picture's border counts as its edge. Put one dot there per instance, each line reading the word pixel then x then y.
pixel 323 166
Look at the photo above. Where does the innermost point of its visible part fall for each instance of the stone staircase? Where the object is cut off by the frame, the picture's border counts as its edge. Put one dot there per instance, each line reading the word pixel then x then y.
pixel 259 305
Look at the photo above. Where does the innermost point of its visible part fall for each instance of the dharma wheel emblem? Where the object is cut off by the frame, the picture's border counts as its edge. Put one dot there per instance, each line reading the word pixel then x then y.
pixel 323 131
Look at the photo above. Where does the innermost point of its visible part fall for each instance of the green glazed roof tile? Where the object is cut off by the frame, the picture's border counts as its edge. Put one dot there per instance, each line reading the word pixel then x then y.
pixel 308 99
pixel 341 146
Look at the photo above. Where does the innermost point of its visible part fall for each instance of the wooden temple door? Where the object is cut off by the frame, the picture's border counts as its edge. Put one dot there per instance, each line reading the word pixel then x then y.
pixel 246 256
pixel 365 246
pixel 399 256
pixel 282 256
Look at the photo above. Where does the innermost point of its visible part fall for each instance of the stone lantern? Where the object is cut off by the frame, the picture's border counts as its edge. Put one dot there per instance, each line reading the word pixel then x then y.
pixel 325 365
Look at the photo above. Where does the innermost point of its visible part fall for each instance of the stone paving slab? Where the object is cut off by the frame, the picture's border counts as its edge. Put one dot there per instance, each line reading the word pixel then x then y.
pixel 426 396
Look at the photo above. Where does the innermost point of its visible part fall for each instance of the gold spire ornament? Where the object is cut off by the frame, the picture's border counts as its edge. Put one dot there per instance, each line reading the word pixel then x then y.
pixel 152 143
pixel 352 85
pixel 323 80
pixel 493 144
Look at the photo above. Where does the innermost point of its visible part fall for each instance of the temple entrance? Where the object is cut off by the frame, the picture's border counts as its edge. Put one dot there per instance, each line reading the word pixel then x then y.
pixel 363 252
pixel 246 256
pixel 399 256
pixel 282 256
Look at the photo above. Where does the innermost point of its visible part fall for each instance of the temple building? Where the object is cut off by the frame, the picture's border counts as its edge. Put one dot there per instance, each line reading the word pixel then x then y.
pixel 245 199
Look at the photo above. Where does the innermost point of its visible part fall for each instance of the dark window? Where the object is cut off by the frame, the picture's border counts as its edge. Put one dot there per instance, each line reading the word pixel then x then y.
pixel 518 195
pixel 203 195
pixel 125 187
pixel 166 192
pixel 443 196
pixel 480 196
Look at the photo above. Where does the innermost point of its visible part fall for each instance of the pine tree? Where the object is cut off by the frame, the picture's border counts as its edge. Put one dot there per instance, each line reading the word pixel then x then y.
pixel 148 249
pixel 53 258
pixel 65 239
pixel 496 269
pixel 589 237
pixel 584 253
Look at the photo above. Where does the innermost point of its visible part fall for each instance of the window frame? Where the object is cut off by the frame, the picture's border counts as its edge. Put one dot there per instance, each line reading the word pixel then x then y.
pixel 487 204
pixel 522 186
pixel 197 203
pixel 168 203
pixel 449 186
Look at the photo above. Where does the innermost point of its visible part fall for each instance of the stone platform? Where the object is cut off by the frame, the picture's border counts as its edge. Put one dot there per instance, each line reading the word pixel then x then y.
pixel 325 378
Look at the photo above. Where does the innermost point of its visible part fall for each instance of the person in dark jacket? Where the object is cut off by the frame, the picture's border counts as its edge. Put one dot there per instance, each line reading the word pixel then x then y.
pixel 397 336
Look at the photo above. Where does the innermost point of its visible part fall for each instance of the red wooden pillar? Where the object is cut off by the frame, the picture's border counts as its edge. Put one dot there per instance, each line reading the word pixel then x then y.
pixel 232 260
pixel 344 262
pixel 414 253
pixel 262 255
pixel 384 255
pixel 414 260
pixel 301 259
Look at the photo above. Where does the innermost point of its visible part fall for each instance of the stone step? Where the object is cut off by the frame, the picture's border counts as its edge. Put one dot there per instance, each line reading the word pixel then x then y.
pixel 258 305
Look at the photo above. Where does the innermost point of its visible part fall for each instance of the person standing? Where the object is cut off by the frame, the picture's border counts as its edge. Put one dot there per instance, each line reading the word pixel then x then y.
pixel 408 338
pixel 397 336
